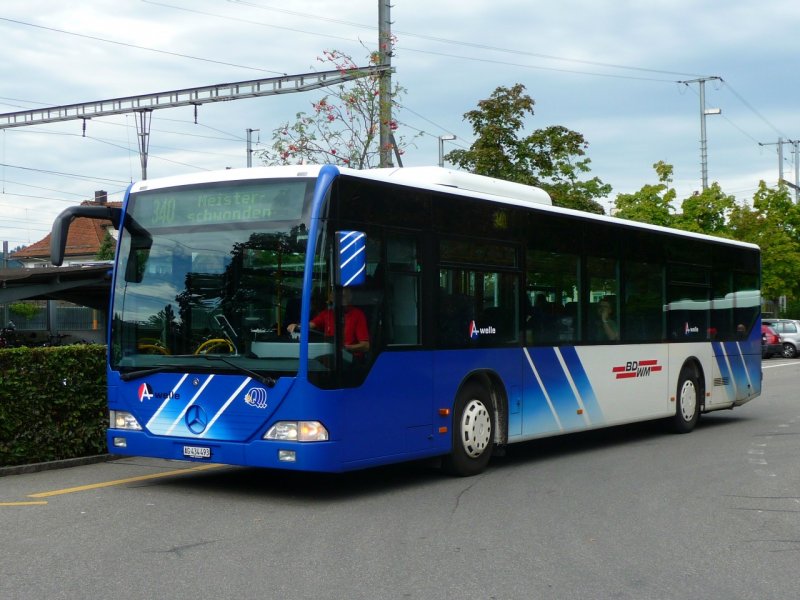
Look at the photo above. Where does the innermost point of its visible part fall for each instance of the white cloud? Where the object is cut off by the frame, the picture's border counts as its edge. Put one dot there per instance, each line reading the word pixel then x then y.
pixel 631 120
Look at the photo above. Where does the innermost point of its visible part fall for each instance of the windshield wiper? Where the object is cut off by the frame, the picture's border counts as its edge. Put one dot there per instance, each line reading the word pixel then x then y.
pixel 144 372
pixel 266 380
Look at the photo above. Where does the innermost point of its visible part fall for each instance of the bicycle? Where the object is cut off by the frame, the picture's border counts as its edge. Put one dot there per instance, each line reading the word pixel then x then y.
pixel 6 340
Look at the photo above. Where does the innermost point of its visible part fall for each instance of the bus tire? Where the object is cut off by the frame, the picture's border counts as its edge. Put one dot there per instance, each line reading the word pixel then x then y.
pixel 473 430
pixel 687 401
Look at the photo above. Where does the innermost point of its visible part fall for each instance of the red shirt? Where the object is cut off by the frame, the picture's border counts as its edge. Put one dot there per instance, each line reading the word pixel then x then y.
pixel 355 324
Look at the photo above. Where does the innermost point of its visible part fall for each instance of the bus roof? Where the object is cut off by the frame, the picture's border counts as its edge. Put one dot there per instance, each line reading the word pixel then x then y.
pixel 429 178
pixel 436 177
pixel 425 177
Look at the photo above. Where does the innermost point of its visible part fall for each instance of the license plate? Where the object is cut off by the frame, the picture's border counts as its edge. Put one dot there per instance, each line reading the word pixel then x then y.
pixel 196 452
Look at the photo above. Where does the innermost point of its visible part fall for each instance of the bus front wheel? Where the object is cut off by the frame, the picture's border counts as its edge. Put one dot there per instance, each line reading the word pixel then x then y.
pixel 472 432
pixel 687 409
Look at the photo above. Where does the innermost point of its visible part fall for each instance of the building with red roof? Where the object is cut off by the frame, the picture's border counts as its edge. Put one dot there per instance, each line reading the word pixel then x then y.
pixel 83 241
pixel 72 299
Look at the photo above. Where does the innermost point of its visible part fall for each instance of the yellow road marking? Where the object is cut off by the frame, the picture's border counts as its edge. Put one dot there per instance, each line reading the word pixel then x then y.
pixel 94 486
pixel 23 503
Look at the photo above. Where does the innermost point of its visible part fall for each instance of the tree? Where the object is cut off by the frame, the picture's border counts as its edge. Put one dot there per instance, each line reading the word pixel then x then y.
pixel 24 310
pixel 706 212
pixel 553 158
pixel 343 127
pixel 106 249
pixel 772 223
pixel 651 204
pixel 702 212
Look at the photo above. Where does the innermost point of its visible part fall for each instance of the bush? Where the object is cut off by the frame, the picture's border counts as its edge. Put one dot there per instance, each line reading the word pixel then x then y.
pixel 792 310
pixel 25 310
pixel 52 403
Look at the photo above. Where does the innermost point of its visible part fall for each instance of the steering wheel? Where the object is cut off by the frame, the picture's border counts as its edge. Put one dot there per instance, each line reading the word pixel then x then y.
pixel 217 345
pixel 151 346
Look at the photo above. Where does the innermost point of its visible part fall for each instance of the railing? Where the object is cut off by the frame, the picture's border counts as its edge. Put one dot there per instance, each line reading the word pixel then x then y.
pixel 66 317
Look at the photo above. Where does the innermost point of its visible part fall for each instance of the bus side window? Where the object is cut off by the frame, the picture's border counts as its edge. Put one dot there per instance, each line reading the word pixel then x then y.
pixel 603 301
pixel 551 316
pixel 642 308
pixel 688 302
pixel 402 290
pixel 369 296
pixel 456 308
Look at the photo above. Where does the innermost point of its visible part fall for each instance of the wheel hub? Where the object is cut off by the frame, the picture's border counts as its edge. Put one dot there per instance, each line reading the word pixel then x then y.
pixel 476 428
pixel 688 400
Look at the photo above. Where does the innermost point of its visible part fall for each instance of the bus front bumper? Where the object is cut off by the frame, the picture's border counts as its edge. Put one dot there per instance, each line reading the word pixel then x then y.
pixel 299 456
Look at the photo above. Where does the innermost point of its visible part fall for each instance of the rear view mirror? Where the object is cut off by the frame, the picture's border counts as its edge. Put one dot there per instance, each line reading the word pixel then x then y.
pixel 58 235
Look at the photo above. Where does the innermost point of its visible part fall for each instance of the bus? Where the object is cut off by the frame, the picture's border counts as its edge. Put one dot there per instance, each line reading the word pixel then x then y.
pixel 491 318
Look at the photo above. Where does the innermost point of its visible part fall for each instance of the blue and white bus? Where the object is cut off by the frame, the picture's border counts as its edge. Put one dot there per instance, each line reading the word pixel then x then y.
pixel 492 317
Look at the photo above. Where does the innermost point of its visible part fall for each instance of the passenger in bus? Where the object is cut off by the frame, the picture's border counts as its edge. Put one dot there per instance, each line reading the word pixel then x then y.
pixel 540 321
pixel 606 323
pixel 356 332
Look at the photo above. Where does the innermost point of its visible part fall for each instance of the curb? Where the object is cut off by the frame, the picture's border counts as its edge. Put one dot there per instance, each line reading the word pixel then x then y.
pixel 55 464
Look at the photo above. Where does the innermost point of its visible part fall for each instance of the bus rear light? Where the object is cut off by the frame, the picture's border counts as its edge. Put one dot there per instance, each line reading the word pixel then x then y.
pixel 297 431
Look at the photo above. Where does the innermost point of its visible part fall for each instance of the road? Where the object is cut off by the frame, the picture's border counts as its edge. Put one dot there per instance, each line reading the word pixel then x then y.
pixel 630 512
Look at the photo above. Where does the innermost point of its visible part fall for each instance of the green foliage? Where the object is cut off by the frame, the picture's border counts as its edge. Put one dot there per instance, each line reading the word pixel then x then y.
pixel 706 212
pixel 107 247
pixel 651 204
pixel 25 310
pixel 772 222
pixel 52 403
pixel 792 310
pixel 553 158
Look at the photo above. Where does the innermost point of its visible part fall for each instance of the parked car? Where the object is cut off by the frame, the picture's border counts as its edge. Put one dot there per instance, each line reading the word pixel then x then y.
pixel 789 330
pixel 771 343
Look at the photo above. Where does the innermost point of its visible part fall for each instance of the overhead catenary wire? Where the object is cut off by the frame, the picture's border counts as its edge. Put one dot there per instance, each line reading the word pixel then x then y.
pixel 483 48
pixel 137 47
pixel 410 34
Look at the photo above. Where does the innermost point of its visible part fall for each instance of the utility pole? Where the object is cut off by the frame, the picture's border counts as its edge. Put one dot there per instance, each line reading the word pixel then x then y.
pixel 250 146
pixel 385 82
pixel 442 139
pixel 796 185
pixel 143 119
pixel 703 112
pixel 795 144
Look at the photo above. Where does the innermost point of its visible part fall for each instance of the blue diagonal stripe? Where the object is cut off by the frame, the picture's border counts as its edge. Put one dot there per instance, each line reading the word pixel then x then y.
pixel 582 384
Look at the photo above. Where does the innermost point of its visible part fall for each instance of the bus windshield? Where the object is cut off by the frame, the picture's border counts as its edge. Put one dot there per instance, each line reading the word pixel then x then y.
pixel 207 273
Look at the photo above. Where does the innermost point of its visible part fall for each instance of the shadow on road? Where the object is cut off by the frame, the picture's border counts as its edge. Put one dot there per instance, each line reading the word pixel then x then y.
pixel 326 488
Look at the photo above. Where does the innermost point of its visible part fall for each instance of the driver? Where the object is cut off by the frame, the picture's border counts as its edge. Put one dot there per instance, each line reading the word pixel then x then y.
pixel 356 333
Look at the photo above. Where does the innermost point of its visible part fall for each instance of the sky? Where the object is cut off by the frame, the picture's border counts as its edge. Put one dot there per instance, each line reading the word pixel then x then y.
pixel 614 71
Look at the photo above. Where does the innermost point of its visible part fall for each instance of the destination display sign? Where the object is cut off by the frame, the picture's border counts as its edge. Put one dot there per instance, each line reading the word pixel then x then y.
pixel 215 205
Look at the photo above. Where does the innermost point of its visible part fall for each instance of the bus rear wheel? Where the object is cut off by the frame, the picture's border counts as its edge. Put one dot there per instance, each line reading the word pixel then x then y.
pixel 687 409
pixel 472 432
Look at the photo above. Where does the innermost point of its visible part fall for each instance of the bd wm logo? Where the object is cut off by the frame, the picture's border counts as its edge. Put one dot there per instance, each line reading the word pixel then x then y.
pixel 636 368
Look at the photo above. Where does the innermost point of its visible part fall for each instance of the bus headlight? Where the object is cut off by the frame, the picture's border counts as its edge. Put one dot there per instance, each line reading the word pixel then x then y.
pixel 297 431
pixel 121 419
